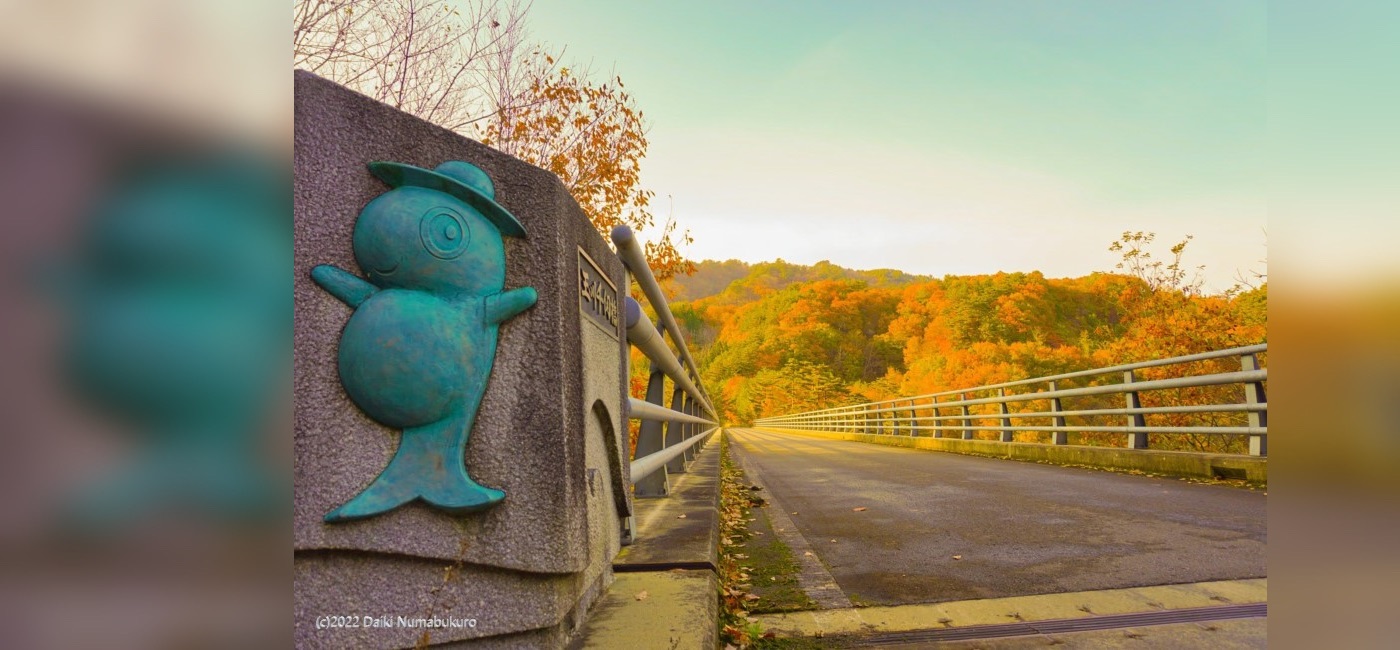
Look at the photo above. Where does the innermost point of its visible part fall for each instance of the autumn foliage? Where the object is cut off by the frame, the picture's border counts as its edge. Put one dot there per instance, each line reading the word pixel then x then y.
pixel 465 65
pixel 593 136
pixel 786 338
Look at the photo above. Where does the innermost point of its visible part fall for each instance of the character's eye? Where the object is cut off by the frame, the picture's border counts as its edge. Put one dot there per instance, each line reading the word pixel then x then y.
pixel 445 233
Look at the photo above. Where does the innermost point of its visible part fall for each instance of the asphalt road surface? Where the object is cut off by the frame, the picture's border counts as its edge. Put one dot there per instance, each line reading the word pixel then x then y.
pixel 1019 528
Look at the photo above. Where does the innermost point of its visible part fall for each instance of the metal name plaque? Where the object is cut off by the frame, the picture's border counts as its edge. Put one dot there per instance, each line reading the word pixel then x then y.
pixel 597 295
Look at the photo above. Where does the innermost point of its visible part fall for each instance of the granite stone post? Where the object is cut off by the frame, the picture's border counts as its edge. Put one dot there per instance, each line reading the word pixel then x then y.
pixel 549 431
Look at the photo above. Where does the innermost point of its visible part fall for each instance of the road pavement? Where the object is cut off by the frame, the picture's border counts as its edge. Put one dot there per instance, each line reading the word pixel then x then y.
pixel 939 526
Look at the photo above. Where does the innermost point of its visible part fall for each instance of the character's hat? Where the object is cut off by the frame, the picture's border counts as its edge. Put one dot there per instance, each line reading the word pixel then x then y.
pixel 462 180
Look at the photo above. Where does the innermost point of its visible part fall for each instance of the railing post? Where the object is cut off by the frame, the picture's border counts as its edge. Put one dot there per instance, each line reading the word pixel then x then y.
pixel 694 429
pixel 966 418
pixel 677 432
pixel 651 438
pixel 1254 394
pixel 1136 439
pixel 933 408
pixel 691 430
pixel 1057 437
pixel 1006 432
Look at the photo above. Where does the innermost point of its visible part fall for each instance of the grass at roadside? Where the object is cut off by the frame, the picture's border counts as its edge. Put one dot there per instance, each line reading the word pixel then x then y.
pixel 757 571
pixel 773 567
pixel 736 629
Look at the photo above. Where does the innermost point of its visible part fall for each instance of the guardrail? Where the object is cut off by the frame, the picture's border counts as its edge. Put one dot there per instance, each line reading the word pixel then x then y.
pixel 668 438
pixel 1246 415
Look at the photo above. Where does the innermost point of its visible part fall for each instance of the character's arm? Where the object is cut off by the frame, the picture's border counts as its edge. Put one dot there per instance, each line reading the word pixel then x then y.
pixel 505 305
pixel 345 286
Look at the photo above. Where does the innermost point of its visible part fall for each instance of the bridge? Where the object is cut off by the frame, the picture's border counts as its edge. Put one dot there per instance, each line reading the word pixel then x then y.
pixel 1079 543
pixel 1079 508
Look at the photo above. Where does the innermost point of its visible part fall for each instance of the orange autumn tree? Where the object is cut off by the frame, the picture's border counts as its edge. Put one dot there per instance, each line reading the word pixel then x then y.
pixel 1171 315
pixel 593 136
pixel 784 337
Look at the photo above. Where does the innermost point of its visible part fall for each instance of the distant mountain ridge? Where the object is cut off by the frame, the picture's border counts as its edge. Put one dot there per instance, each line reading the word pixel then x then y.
pixel 743 281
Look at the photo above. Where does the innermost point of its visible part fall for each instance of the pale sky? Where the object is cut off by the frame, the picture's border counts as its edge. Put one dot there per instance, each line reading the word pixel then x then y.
pixel 944 137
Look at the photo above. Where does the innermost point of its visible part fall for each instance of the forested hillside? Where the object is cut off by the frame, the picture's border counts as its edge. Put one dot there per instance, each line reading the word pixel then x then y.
pixel 711 278
pixel 783 338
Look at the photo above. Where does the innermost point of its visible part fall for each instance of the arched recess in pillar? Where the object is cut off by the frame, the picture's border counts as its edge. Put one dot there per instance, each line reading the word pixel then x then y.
pixel 618 469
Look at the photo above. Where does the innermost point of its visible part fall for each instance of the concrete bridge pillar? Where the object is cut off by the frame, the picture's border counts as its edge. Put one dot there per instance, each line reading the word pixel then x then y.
pixel 549 432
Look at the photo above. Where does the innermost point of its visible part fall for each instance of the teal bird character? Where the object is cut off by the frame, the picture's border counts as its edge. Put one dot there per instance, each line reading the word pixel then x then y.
pixel 419 347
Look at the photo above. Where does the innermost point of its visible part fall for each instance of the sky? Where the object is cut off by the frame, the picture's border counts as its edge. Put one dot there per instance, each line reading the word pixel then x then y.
pixel 944 137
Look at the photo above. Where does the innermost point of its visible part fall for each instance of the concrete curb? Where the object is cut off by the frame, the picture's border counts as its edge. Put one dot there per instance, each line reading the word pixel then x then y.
pixel 992 611
pixel 680 530
pixel 1170 463
pixel 654 609
pixel 665 592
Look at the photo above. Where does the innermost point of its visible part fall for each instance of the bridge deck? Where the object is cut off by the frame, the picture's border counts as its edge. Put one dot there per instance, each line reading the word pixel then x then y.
pixel 1019 528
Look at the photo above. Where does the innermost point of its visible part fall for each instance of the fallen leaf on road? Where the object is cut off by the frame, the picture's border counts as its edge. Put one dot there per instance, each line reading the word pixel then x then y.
pixel 642 595
pixel 957 557
pixel 860 509
pixel 794 513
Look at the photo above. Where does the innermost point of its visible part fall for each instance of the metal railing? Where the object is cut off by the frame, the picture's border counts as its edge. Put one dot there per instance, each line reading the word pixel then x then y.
pixel 973 408
pixel 669 438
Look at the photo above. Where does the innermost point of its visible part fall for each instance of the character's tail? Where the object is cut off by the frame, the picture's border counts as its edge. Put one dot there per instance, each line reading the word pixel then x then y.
pixel 429 465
